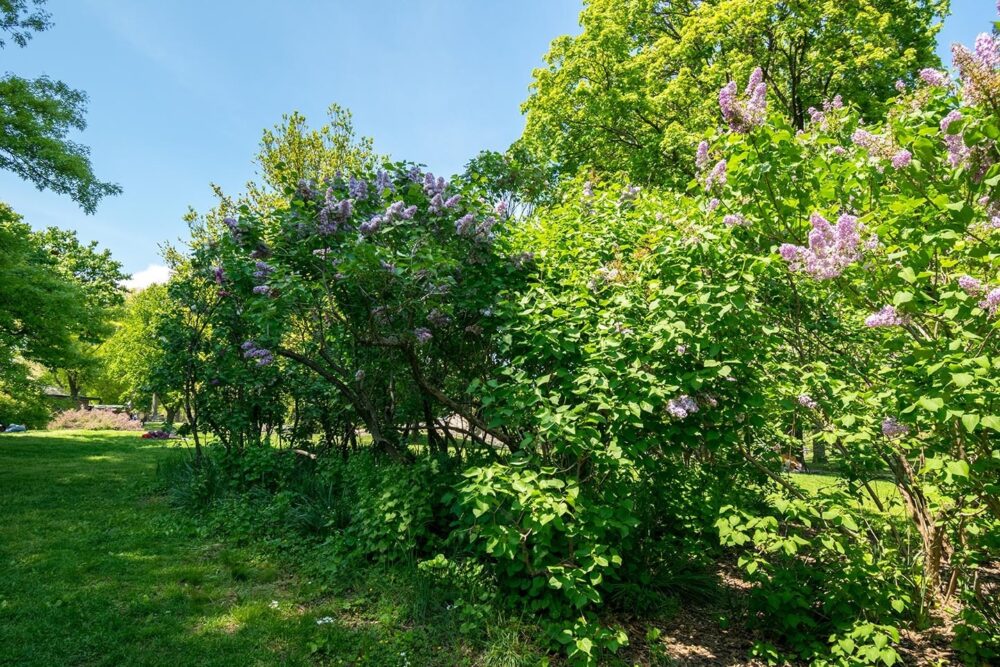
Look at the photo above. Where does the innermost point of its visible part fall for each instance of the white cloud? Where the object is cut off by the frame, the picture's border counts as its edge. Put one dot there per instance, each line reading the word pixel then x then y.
pixel 151 275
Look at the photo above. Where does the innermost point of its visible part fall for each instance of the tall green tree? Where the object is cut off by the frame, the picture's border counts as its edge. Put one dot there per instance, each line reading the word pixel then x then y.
pixel 133 353
pixel 37 117
pixel 98 277
pixel 632 91
pixel 38 309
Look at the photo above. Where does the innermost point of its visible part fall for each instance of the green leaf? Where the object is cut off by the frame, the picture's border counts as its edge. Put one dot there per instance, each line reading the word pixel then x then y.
pixel 991 421
pixel 970 421
pixel 958 468
pixel 931 404
pixel 962 380
pixel 902 297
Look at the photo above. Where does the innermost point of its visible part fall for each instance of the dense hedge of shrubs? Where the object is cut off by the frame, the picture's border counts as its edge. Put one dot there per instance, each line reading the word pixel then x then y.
pixel 588 406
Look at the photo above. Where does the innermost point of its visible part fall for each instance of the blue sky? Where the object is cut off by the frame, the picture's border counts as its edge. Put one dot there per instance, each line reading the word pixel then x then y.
pixel 180 91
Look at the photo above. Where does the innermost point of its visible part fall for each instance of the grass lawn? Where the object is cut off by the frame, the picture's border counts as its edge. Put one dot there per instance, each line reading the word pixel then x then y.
pixel 99 570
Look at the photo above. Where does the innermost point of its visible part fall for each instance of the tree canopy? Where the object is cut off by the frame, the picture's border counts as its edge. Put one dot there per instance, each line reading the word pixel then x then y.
pixel 37 117
pixel 634 89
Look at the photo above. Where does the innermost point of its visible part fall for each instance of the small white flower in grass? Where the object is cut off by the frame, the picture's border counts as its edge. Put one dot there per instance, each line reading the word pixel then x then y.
pixel 324 621
pixel 274 604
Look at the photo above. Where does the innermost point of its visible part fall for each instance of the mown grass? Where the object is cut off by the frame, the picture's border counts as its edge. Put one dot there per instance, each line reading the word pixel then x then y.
pixel 99 570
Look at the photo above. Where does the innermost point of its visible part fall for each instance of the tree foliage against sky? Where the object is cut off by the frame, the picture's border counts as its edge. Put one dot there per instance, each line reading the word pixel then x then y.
pixel 38 117
pixel 630 93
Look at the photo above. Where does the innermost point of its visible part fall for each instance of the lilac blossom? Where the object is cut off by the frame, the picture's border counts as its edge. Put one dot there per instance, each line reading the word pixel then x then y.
pixel 900 86
pixel 434 186
pixel 370 226
pixel 357 188
pixel 701 158
pixel 234 228
pixel 588 189
pixel 436 204
pixel 805 400
pixel 500 208
pixel 682 406
pixel 453 201
pixel 734 220
pixel 886 317
pixel 383 182
pixel 713 204
pixel 264 290
pixel 262 356
pixel 334 213
pixel 681 350
pixel 717 176
pixel 901 159
pixel 423 335
pixel 262 270
pixel 465 224
pixel 958 152
pixel 750 111
pixel 992 301
pixel 970 285
pixel 220 274
pixel 630 193
pixel 892 428
pixel 979 70
pixel 832 248
pixel 934 77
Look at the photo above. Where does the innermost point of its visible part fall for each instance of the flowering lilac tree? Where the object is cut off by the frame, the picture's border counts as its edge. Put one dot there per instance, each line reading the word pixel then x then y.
pixel 381 284
pixel 888 315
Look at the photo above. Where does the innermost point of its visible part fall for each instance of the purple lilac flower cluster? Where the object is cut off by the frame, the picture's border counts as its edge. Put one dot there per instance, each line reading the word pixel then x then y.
pixel 701 157
pixel 357 188
pixel 750 111
pixel 958 152
pixel 805 400
pixel 716 177
pixel 335 212
pixel 252 351
pixel 629 194
pixel 979 69
pixel 264 290
pixel 832 248
pixel 892 428
pixel 991 303
pixel 262 270
pixel 220 275
pixel 878 146
pixel 383 182
pixel 887 316
pixel 818 117
pixel 682 406
pixel 423 335
pixel 735 220
pixel 934 77
pixel 970 285
pixel 234 228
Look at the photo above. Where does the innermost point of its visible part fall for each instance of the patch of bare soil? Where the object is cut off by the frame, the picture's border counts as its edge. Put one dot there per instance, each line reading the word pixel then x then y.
pixel 717 634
